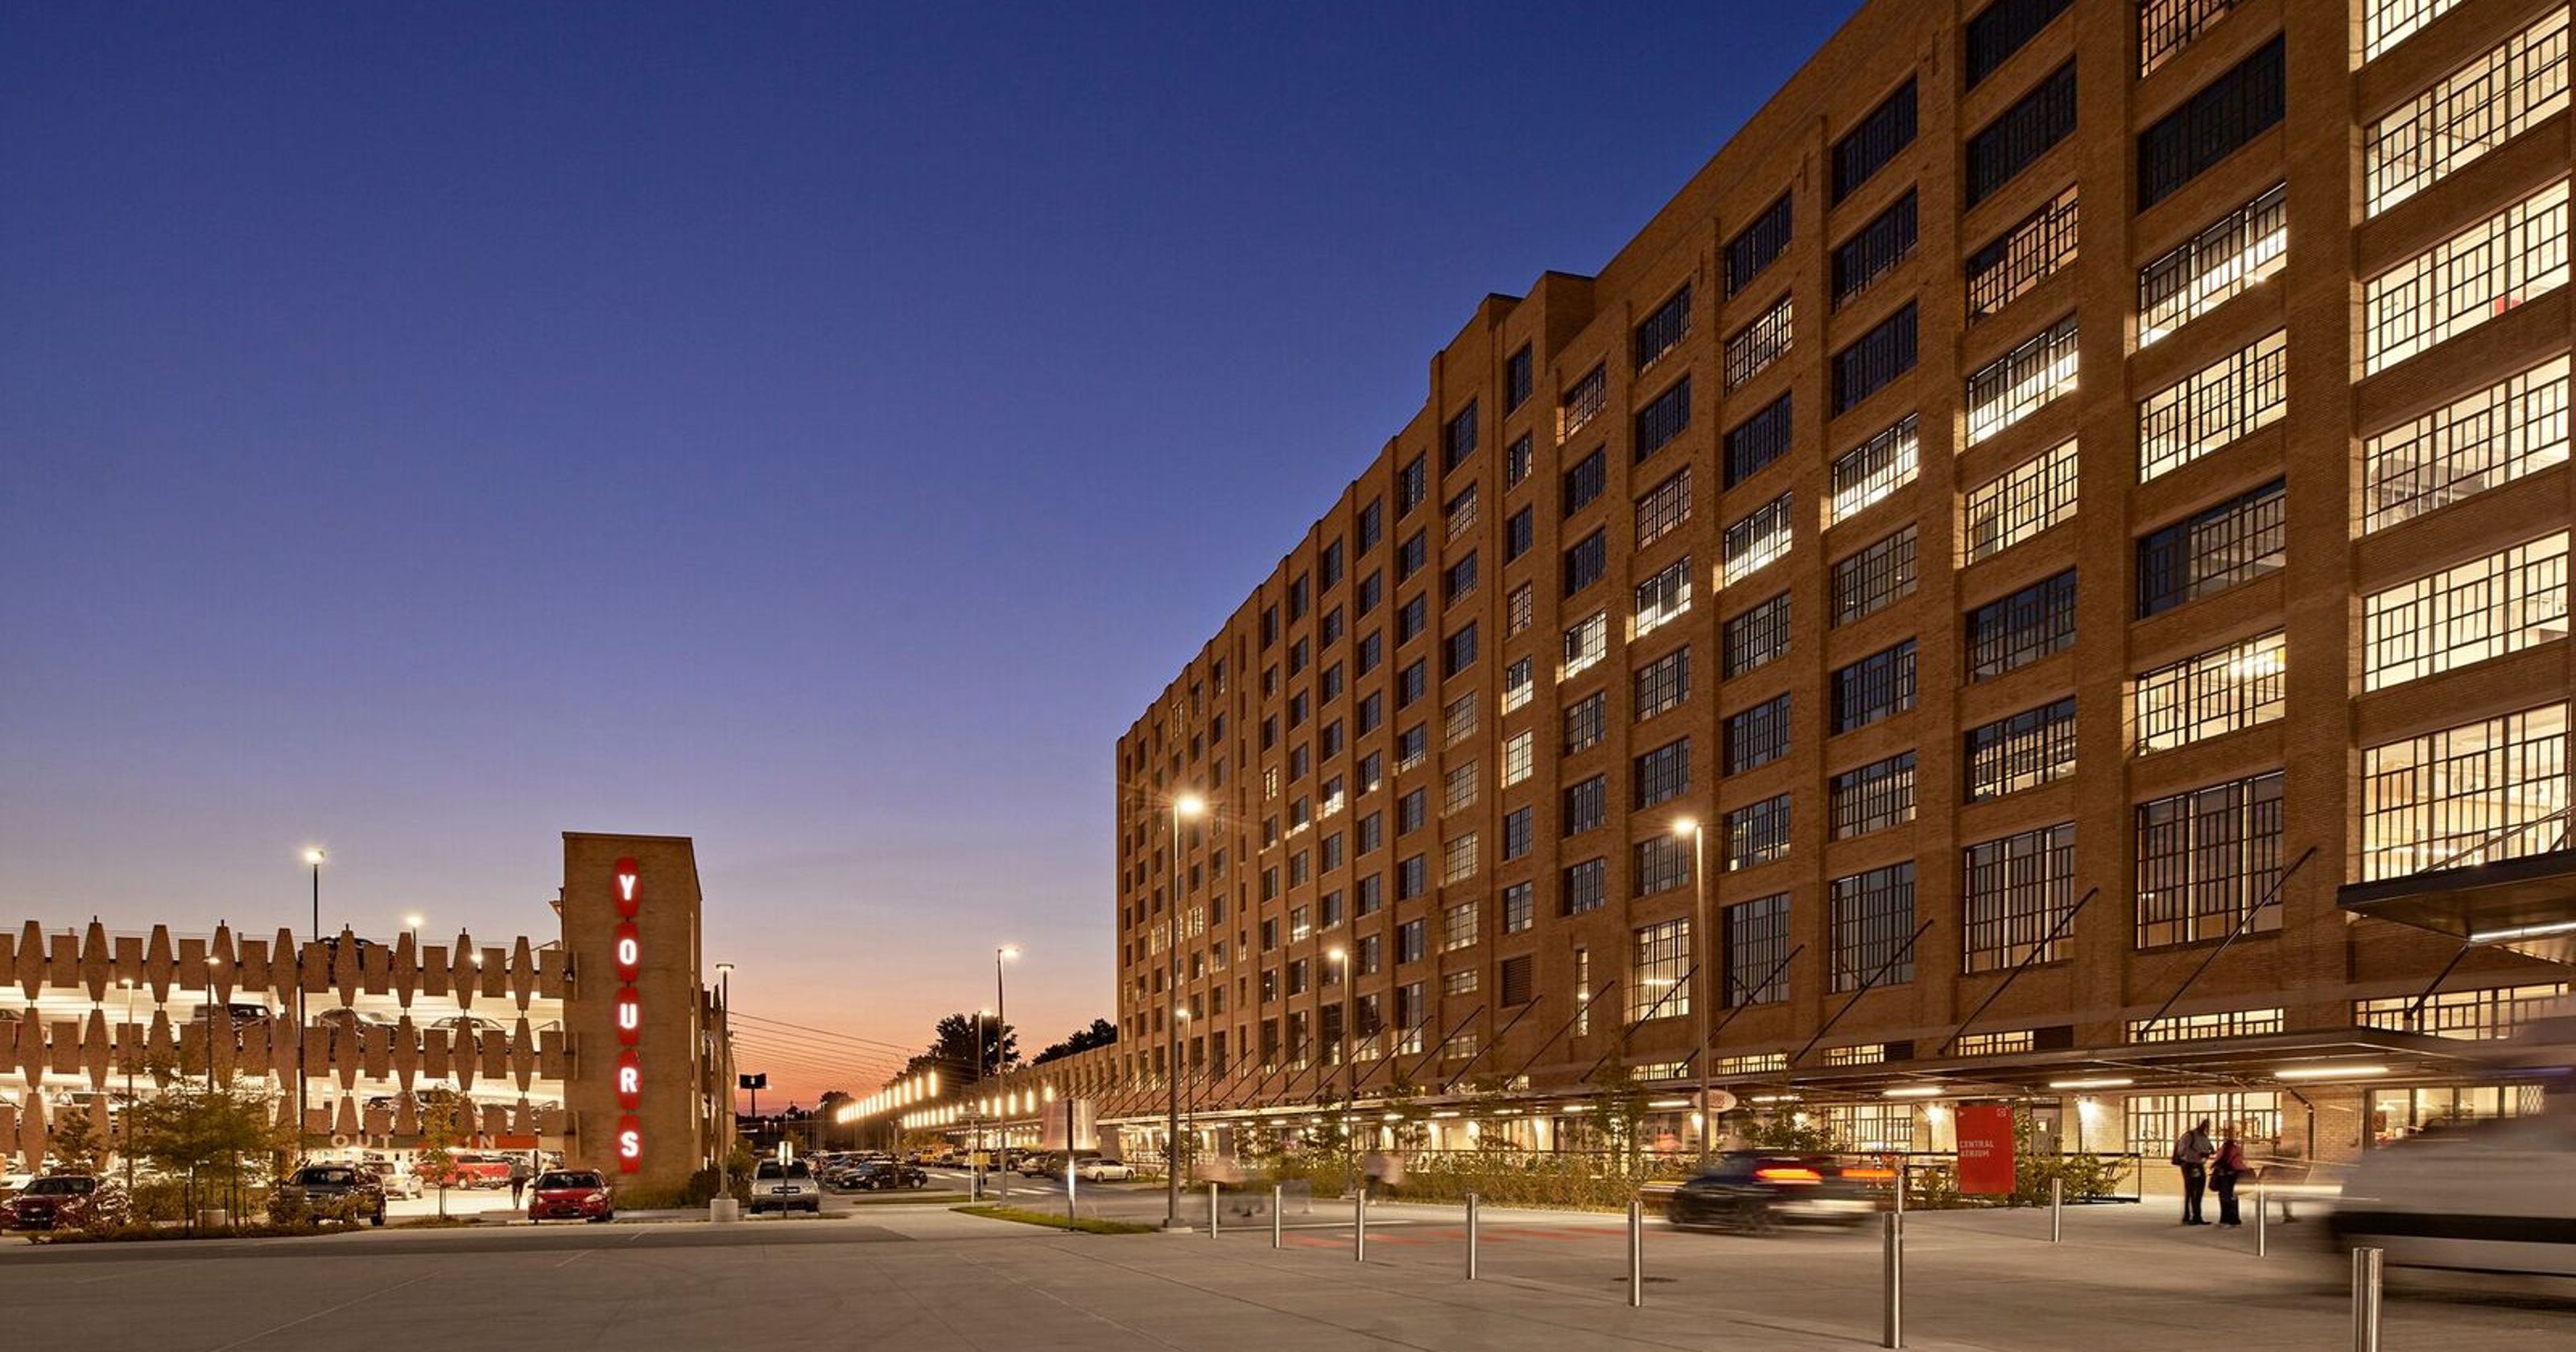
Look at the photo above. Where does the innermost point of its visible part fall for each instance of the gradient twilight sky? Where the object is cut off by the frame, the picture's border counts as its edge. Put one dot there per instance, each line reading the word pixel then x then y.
pixel 817 429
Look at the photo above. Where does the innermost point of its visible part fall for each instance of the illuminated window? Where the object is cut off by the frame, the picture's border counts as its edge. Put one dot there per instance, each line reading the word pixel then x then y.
pixel 1872 797
pixel 2211 408
pixel 2475 109
pixel 1751 350
pixel 2464 796
pixel 1517 685
pixel 1871 471
pixel 2494 1012
pixel 1757 833
pixel 1996 1044
pixel 1755 540
pixel 2385 23
pixel 1662 598
pixel 1662 684
pixel 2165 27
pixel 2024 627
pixel 1519 757
pixel 2218 692
pixel 2017 261
pixel 2022 381
pixel 2466 280
pixel 1520 609
pixel 1757 736
pixel 2015 891
pixel 1664 507
pixel 1458 927
pixel 1460 513
pixel 2493 437
pixel 1754 638
pixel 2207 858
pixel 1757 952
pixel 2193 1027
pixel 1663 863
pixel 1873 927
pixel 2487 607
pixel 1587 642
pixel 1657 989
pixel 2239 252
pixel 1877 576
pixel 2209 551
pixel 2017 504
pixel 1582 403
pixel 1458 860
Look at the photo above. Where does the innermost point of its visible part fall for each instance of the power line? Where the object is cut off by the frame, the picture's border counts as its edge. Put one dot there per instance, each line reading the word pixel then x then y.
pixel 824 1032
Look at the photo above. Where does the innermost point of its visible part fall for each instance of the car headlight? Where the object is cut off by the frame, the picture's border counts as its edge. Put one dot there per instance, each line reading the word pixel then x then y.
pixel 597 1197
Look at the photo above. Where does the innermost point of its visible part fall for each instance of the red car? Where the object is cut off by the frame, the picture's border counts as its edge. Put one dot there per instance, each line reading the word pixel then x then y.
pixel 570 1195
pixel 63 1200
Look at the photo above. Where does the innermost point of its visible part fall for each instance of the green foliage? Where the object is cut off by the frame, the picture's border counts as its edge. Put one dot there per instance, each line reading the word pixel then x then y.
pixel 77 1143
pixel 1791 1132
pixel 221 1139
pixel 435 1163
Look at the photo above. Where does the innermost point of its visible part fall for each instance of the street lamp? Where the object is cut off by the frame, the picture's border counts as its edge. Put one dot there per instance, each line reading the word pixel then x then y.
pixel 1182 1014
pixel 724 1146
pixel 1703 947
pixel 1340 958
pixel 1191 806
pixel 313 857
pixel 125 1047
pixel 1001 1053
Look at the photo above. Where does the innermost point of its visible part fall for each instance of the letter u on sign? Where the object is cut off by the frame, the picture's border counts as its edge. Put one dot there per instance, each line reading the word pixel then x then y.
pixel 630 1017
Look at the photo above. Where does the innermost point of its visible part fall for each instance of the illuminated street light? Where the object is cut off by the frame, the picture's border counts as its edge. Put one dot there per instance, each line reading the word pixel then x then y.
pixel 1187 806
pixel 1704 992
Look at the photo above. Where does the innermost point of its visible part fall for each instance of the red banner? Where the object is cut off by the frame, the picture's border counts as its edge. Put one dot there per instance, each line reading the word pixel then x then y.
pixel 1985 1149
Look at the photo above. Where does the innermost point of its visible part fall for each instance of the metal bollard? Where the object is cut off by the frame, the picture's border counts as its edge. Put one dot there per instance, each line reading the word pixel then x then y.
pixel 1211 1211
pixel 1072 1186
pixel 2056 1210
pixel 1636 1253
pixel 1471 1236
pixel 1892 1334
pixel 2365 1298
pixel 2262 1223
pixel 1277 1194
pixel 1359 1224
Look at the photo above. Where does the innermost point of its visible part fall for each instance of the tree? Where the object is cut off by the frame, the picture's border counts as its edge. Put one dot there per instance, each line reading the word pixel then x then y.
pixel 1101 1033
pixel 204 1132
pixel 436 1162
pixel 964 1044
pixel 76 1143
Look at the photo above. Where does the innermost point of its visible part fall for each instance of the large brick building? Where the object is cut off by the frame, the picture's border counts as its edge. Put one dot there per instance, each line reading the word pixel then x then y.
pixel 2072 498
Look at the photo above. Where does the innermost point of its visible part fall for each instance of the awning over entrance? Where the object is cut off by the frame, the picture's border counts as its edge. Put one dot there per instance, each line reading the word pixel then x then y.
pixel 2329 1057
pixel 2527 905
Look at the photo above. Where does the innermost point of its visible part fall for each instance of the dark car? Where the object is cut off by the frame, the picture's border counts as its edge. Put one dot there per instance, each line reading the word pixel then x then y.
pixel 879 1175
pixel 571 1195
pixel 1755 1190
pixel 315 1185
pixel 63 1200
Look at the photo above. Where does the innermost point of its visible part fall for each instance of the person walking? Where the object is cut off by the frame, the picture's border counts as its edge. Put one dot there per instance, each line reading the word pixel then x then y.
pixel 2224 1170
pixel 519 1172
pixel 2191 1154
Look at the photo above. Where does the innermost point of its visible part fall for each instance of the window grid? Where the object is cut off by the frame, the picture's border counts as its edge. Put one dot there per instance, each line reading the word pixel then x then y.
pixel 1874 141
pixel 1757 441
pixel 2013 892
pixel 1757 949
pixel 2214 123
pixel 2485 608
pixel 2206 858
pixel 1586 886
pixel 1662 961
pixel 2212 550
pixel 1755 637
pixel 2022 381
pixel 1755 246
pixel 1873 922
pixel 1663 774
pixel 2385 23
pixel 1520 757
pixel 1662 684
pixel 1751 350
pixel 2021 134
pixel 1583 403
pixel 1662 598
pixel 1665 506
pixel 1874 360
pixel 2467 795
pixel 1868 473
pixel 1757 833
pixel 1757 736
pixel 1878 686
pixel 2466 280
pixel 1663 863
pixel 2210 409
pixel 2022 628
pixel 1663 419
pixel 2211 694
pixel 2493 437
pixel 1458 859
pixel 2001 29
pixel 1872 797
pixel 1874 250
pixel 1460 513
pixel 2475 109
pixel 1586 643
pixel 1587 806
pixel 1760 537
pixel 2165 27
pixel 2017 504
pixel 1587 722
pixel 1518 685
pixel 1875 578
pixel 1664 330
pixel 2237 253
pixel 2492 1012
pixel 2018 260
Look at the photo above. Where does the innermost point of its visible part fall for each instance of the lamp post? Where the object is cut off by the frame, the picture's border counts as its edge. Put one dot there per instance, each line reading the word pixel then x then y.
pixel 1340 958
pixel 313 857
pixel 125 1049
pixel 1187 805
pixel 1191 1106
pixel 1001 1054
pixel 1704 993
pixel 724 1144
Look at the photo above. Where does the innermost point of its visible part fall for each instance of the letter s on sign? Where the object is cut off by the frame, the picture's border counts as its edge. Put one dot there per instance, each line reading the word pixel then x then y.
pixel 630 1145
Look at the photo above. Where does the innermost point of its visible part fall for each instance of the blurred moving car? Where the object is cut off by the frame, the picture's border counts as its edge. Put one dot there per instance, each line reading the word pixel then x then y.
pixel 1757 1190
pixel 785 1187
pixel 62 1200
pixel 2494 1196
pixel 1104 1171
pixel 571 1195
pixel 315 1185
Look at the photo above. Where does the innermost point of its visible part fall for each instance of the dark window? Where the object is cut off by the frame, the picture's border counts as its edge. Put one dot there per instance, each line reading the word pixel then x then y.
pixel 1458 651
pixel 1372 524
pixel 1874 250
pixel 1412 618
pixel 2031 748
pixel 2001 29
pixel 1757 951
pixel 1875 687
pixel 1756 245
pixel 1873 797
pixel 1519 533
pixel 1517 986
pixel 2165 27
pixel 1757 834
pixel 2211 125
pixel 1873 578
pixel 1587 805
pixel 1867 147
pixel 2022 257
pixel 1411 556
pixel 1663 774
pixel 1517 832
pixel 1458 579
pixel 1756 636
pixel 1875 359
pixel 1412 485
pixel 1665 328
pixel 1587 886
pixel 1662 420
pixel 1758 735
pixel 1662 684
pixel 2021 134
pixel 1587 561
pixel 1586 481
pixel 2236 541
pixel 2014 894
pixel 1458 438
pixel 1518 377
pixel 1587 721
pixel 1873 927
pixel 1757 441
pixel 2022 628
pixel 2205 858
pixel 1412 878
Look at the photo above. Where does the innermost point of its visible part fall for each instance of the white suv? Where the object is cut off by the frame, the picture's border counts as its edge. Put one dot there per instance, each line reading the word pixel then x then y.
pixel 785 1187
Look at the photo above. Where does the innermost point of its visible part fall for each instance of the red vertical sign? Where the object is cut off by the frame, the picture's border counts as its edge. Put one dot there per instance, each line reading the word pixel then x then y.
pixel 628 941
pixel 1985 1150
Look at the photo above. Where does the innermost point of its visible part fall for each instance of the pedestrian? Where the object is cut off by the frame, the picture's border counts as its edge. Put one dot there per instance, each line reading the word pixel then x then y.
pixel 2191 1152
pixel 2224 1170
pixel 518 1179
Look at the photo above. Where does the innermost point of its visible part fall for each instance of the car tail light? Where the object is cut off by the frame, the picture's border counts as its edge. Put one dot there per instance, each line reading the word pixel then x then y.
pixel 1777 1174
pixel 1871 1174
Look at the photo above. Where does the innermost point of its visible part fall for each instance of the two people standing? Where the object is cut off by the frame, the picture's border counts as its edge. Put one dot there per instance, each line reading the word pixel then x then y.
pixel 2205 1165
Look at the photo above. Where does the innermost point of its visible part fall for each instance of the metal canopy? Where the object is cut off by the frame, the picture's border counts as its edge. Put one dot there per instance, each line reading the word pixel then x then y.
pixel 2527 905
pixel 2341 1056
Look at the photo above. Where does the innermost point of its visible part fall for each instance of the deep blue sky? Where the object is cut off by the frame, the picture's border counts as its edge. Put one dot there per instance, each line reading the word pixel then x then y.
pixel 815 429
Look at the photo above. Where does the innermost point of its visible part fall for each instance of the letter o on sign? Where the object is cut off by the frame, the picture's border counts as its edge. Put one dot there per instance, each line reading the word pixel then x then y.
pixel 630 1081
pixel 630 1017
pixel 630 951
pixel 630 888
pixel 630 1144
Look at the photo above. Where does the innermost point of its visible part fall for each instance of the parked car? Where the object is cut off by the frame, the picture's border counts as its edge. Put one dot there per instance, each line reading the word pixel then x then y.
pixel 315 1185
pixel 785 1187
pixel 59 1200
pixel 571 1195
pixel 2495 1196
pixel 882 1175
pixel 13 1182
pixel 393 1178
pixel 1756 1190
pixel 482 1171
pixel 1104 1171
